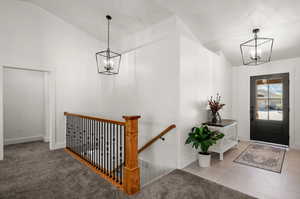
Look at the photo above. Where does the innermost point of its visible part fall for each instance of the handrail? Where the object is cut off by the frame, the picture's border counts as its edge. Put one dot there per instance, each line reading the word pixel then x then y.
pixel 157 137
pixel 95 118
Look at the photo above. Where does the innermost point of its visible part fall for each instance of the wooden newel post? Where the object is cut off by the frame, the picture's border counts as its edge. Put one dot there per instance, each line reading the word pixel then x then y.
pixel 131 169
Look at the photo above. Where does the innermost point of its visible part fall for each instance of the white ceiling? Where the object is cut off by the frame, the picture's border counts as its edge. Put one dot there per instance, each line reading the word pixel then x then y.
pixel 219 24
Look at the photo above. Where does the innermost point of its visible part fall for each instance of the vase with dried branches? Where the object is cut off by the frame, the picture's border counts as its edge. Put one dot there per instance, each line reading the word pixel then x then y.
pixel 215 106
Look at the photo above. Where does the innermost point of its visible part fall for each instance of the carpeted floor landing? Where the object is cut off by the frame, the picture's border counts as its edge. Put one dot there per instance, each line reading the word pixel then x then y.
pixel 31 171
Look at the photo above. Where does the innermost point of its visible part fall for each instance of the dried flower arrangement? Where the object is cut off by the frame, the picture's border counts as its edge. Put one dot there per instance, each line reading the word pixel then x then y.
pixel 215 105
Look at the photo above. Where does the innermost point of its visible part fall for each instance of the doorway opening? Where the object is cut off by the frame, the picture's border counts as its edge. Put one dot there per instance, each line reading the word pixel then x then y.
pixel 27 111
pixel 269 108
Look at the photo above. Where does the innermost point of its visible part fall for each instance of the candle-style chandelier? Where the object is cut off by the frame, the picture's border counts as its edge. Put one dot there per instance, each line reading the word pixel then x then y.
pixel 108 62
pixel 257 50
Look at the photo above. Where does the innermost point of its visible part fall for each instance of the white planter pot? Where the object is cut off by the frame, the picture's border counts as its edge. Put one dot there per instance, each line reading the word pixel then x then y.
pixel 204 160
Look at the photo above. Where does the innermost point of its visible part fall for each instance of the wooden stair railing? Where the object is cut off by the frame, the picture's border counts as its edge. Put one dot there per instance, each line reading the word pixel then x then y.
pixel 92 140
pixel 159 136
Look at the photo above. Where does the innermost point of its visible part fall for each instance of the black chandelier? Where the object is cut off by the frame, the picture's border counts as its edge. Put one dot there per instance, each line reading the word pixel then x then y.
pixel 257 50
pixel 108 62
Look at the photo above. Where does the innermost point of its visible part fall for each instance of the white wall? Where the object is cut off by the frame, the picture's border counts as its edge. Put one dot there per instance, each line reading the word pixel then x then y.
pixel 30 36
pixel 167 78
pixel 24 106
pixel 241 97
pixel 147 85
pixel 202 74
pixel 149 82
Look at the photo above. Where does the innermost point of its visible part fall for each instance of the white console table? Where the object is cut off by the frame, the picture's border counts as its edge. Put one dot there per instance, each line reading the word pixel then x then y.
pixel 230 139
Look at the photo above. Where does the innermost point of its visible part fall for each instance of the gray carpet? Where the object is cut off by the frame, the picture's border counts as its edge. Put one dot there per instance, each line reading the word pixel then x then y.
pixel 31 171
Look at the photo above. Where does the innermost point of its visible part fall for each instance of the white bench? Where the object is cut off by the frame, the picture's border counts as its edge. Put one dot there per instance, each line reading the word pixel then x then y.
pixel 230 139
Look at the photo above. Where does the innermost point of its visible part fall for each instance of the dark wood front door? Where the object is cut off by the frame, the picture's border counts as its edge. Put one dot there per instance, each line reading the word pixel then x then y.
pixel 269 108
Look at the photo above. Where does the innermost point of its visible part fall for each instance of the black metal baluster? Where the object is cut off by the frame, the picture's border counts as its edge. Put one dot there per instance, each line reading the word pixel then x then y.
pixel 102 146
pixel 113 154
pixel 99 158
pixel 81 130
pixel 76 135
pixel 97 145
pixel 121 159
pixel 72 133
pixel 70 128
pixel 95 133
pixel 104 149
pixel 79 140
pixel 79 136
pixel 93 143
pixel 109 154
pixel 88 140
pixel 117 145
pixel 89 144
pixel 107 148
pixel 67 133
pixel 84 139
pixel 83 136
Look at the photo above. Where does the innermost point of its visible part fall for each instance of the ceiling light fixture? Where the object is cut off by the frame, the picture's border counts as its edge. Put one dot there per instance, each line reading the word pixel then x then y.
pixel 257 50
pixel 108 62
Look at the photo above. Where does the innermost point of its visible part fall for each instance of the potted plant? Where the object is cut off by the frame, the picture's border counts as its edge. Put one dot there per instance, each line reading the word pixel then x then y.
pixel 215 105
pixel 202 138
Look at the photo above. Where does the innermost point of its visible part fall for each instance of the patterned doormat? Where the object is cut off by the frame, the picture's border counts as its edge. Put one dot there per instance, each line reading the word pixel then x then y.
pixel 262 156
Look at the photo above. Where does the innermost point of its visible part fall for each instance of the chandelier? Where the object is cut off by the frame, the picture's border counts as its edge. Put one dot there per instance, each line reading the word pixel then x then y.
pixel 108 62
pixel 257 50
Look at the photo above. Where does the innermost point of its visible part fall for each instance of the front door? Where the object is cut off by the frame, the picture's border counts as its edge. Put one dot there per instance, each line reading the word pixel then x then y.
pixel 269 108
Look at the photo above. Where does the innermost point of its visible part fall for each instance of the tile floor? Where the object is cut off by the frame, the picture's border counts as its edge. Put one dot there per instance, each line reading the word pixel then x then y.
pixel 254 181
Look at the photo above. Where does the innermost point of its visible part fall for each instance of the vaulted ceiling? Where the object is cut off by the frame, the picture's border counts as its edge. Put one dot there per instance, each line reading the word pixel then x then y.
pixel 219 25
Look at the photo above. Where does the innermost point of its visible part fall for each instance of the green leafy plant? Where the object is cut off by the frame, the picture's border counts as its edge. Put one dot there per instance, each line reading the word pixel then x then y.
pixel 203 138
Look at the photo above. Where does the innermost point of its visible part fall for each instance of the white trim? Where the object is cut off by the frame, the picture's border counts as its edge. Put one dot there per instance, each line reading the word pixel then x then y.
pixel 292 146
pixel 295 146
pixel 23 140
pixel 267 143
pixel 60 146
pixel 49 103
pixel 1 115
pixel 46 139
pixel 270 143
pixel 32 68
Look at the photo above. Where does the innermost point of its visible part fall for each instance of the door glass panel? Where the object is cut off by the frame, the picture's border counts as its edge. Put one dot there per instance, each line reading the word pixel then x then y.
pixel 269 95
pixel 275 100
pixel 261 99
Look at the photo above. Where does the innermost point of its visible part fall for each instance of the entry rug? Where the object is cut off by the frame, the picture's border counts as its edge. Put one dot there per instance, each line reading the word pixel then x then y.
pixel 262 156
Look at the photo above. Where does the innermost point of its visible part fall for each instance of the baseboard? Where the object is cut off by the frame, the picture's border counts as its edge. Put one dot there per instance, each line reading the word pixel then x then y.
pixel 294 146
pixel 244 139
pixel 46 139
pixel 60 145
pixel 182 166
pixel 23 140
